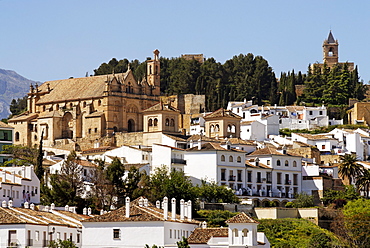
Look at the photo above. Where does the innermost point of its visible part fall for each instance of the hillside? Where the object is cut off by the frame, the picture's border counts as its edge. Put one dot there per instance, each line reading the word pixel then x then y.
pixel 297 233
pixel 12 86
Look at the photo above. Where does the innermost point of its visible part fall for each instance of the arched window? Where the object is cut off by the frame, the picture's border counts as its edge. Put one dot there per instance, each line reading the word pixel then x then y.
pixel 239 159
pixel 70 105
pixel 17 136
pixel 286 163
pixel 167 123
pixel 294 163
pixel 233 129
pixel 43 108
pixel 155 122
pixel 99 103
pixel 84 105
pixel 150 122
pixel 231 159
pixel 217 128
pixel 243 115
pixel 172 124
pixel 235 233
pixel 57 107
pixel 222 158
pixel 212 129
pixel 229 128
pixel 278 163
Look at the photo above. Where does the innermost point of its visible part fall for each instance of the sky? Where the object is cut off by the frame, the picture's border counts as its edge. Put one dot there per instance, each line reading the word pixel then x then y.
pixel 50 40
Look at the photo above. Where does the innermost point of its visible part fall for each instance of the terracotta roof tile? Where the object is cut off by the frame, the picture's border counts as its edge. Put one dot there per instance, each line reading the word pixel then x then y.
pixel 222 113
pixel 241 218
pixel 23 117
pixel 161 107
pixel 203 235
pixel 315 136
pixel 197 137
pixel 101 149
pixel 4 125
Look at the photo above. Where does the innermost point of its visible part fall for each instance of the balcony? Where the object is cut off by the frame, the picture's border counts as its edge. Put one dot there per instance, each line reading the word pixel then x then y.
pixel 178 161
pixel 232 178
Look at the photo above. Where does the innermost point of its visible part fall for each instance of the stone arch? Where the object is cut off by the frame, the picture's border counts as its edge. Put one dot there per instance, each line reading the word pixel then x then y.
pixel 155 122
pixel 283 203
pixel 256 203
pixel 131 126
pixel 231 159
pixel 223 158
pixel 172 123
pixel 286 163
pixel 67 126
pixel 265 203
pixel 167 122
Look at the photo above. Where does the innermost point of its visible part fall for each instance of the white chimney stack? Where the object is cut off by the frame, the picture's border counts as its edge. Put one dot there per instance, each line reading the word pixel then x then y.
pixel 46 208
pixel 84 211
pixel 165 208
pixel 189 211
pixel 3 204
pixel 145 202
pixel 101 212
pixel 26 205
pixel 66 208
pixel 10 204
pixel 140 202
pixel 204 224
pixel 127 201
pixel 182 209
pixel 173 208
pixel 52 207
pixel 186 209
pixel 89 211
pixel 158 204
pixel 32 206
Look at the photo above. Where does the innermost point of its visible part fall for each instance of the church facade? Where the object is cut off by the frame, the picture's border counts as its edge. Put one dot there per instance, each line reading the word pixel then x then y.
pixel 89 107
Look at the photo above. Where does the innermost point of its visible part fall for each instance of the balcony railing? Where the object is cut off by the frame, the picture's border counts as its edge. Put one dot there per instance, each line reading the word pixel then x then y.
pixel 178 161
pixel 13 243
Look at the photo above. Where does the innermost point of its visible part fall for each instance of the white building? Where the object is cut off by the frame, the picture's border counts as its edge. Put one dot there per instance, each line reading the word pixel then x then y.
pixel 171 157
pixel 19 184
pixel 272 175
pixel 29 227
pixel 326 143
pixel 139 223
pixel 240 233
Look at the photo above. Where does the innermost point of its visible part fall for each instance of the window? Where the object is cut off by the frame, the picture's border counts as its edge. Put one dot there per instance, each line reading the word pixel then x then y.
pixel 170 233
pixel 223 174
pixel 239 159
pixel 167 123
pixel 17 136
pixel 259 177
pixel 150 122
pixel 95 130
pixel 268 177
pixel 116 233
pixel 286 163
pixel 287 181
pixel 320 113
pixel 323 147
pixel 222 158
pixel 239 175
pixel 78 238
pixel 268 162
pixel 231 159
pixel 37 235
pixel 295 179
pixel 278 179
pixel 278 163
pixel 155 122
pixel 294 163
pixel 310 113
pixel 172 124
pixel 249 176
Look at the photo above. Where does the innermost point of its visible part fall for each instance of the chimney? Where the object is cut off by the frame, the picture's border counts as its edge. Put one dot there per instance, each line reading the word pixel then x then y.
pixel 32 206
pixel 140 202
pixel 13 177
pixel 145 202
pixel 89 211
pixel 101 212
pixel 127 201
pixel 3 176
pixel 23 171
pixel 204 224
pixel 182 209
pixel 189 211
pixel 3 204
pixel 173 208
pixel 26 205
pixel 46 208
pixel 10 203
pixel 84 211
pixel 165 208
pixel 158 204
pixel 186 209
pixel 52 207
pixel 66 208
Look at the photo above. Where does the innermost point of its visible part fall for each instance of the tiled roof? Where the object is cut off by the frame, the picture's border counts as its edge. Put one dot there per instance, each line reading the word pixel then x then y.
pixel 222 113
pixel 137 213
pixel 294 108
pixel 203 235
pixel 161 107
pixel 210 146
pixel 77 88
pixel 241 218
pixel 315 136
pixel 266 151
pixel 97 150
pixel 260 165
pixel 246 123
pixel 50 114
pixel 178 137
pixel 196 137
pixel 23 117
pixel 86 163
pixel 4 125
pixel 240 141
pixel 29 216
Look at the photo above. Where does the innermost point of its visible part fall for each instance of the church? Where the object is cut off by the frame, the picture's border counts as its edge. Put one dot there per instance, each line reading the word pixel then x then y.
pixel 89 107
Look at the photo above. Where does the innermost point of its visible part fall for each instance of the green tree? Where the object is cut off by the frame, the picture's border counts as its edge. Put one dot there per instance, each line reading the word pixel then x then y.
pixel 357 222
pixel 183 243
pixel 18 106
pixel 332 196
pixel 349 168
pixel 21 155
pixel 321 240
pixel 66 184
pixel 363 181
pixel 62 244
pixel 39 169
pixel 114 173
pixel 212 192
pixel 215 218
pixel 303 200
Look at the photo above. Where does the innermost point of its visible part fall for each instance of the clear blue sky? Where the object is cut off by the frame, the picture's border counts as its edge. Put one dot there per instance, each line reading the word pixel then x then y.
pixel 50 40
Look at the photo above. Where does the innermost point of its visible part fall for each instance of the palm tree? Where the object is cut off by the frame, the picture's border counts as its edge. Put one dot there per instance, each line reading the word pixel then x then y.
pixel 349 168
pixel 363 182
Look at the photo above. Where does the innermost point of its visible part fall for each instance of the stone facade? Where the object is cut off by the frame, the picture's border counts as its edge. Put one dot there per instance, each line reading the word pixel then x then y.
pixel 87 108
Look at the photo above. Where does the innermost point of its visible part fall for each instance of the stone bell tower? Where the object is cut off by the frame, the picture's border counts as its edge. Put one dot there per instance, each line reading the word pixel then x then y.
pixel 153 73
pixel 330 50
